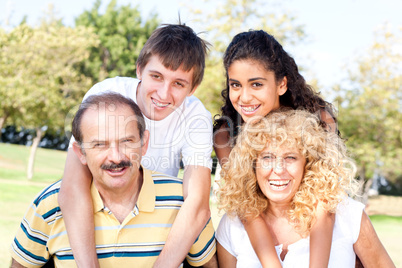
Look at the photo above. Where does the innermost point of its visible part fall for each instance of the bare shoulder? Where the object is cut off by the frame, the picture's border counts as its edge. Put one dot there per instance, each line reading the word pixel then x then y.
pixel 329 120
pixel 222 135
pixel 222 144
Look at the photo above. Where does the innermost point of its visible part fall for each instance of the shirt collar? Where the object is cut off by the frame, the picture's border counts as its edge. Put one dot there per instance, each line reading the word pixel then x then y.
pixel 146 198
pixel 96 199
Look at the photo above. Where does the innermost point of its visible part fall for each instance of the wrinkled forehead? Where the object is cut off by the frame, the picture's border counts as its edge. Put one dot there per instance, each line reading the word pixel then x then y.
pixel 113 122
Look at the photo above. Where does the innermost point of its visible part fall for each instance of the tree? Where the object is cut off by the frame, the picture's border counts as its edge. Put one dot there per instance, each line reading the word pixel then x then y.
pixel 122 35
pixel 222 20
pixel 10 70
pixel 39 79
pixel 370 107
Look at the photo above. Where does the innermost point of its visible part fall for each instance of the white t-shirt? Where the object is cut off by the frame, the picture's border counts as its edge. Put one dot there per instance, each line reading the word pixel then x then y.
pixel 233 237
pixel 186 134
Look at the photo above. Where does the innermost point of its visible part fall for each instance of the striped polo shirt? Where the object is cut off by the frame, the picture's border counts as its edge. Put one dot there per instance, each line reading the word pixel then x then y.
pixel 136 242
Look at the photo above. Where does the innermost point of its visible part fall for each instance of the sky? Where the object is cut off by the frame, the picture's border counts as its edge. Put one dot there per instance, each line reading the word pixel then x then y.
pixel 336 30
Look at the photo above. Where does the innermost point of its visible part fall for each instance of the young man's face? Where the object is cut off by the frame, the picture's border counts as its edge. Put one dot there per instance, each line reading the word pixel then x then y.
pixel 162 90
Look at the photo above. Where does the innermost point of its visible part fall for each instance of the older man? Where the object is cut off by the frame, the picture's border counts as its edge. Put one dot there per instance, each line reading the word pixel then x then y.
pixel 134 208
pixel 170 67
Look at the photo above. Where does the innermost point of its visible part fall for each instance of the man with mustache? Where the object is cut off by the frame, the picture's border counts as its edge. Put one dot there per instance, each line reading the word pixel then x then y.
pixel 169 69
pixel 134 208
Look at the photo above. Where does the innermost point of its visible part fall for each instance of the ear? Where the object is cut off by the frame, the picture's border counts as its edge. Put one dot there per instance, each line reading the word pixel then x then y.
pixel 145 142
pixel 138 72
pixel 192 91
pixel 79 152
pixel 283 86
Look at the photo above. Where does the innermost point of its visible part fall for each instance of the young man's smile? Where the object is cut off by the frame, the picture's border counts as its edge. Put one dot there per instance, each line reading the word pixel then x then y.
pixel 162 90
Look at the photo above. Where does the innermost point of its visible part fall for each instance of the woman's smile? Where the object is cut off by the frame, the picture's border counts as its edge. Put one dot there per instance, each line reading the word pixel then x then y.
pixel 279 172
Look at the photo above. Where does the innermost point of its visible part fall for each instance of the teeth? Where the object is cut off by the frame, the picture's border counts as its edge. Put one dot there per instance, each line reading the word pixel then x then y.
pixel 116 169
pixel 249 109
pixel 159 104
pixel 279 183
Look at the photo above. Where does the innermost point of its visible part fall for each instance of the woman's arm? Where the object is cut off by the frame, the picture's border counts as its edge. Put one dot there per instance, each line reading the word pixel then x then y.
pixel 329 120
pixel 321 231
pixel 321 237
pixel 225 259
pixel 76 205
pixel 369 248
pixel 264 248
pixel 222 145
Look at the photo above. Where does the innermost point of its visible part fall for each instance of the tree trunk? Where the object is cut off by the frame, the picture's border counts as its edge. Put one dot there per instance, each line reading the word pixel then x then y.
pixel 2 121
pixel 32 153
pixel 364 186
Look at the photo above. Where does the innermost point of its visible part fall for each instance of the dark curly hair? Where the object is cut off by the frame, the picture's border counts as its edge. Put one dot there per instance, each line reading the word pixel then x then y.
pixel 264 48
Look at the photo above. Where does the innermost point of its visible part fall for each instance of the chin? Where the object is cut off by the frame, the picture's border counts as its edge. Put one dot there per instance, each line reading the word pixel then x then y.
pixel 158 115
pixel 118 183
pixel 279 197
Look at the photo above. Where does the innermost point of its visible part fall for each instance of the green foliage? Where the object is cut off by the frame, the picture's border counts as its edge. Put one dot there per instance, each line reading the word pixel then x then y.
pixel 122 34
pixel 222 20
pixel 370 113
pixel 39 81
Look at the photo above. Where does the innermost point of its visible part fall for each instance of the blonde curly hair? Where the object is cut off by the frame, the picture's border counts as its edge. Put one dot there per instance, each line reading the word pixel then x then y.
pixel 329 173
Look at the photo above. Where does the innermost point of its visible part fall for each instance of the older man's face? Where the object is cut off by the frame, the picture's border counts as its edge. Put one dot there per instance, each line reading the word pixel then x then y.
pixel 112 147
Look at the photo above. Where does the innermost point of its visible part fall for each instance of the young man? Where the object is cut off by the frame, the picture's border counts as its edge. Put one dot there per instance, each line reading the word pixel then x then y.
pixel 169 69
pixel 134 207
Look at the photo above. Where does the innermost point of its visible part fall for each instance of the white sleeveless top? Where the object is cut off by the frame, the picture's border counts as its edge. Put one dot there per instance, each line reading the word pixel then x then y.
pixel 233 237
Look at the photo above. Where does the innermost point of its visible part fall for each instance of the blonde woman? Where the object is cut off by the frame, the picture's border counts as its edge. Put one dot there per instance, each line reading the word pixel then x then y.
pixel 280 168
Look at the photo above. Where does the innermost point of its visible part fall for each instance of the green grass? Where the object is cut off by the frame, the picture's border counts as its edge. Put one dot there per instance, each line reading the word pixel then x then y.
pixel 14 201
pixel 16 193
pixel 49 164
pixel 389 229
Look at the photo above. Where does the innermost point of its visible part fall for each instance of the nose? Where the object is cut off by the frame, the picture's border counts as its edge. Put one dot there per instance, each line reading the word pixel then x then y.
pixel 115 154
pixel 163 91
pixel 279 166
pixel 245 95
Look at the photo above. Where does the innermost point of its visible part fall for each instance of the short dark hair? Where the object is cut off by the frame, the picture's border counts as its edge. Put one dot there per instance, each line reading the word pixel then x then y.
pixel 108 98
pixel 177 45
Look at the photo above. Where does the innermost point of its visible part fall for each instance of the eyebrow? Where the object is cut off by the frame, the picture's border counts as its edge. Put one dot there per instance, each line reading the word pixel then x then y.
pixel 132 137
pixel 286 153
pixel 183 80
pixel 290 153
pixel 95 141
pixel 178 79
pixel 249 80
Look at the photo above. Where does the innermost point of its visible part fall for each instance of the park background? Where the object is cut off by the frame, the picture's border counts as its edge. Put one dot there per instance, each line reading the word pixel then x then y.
pixel 52 52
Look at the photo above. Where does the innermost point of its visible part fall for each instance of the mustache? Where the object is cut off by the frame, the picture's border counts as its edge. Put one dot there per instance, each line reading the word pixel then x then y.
pixel 124 163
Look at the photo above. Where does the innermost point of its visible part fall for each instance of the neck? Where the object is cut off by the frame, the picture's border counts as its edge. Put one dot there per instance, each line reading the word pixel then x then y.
pixel 277 210
pixel 122 201
pixel 282 231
